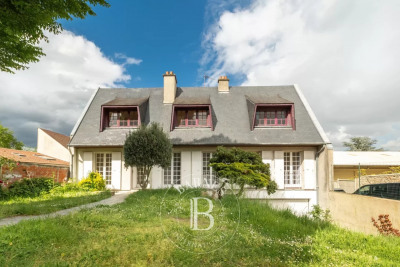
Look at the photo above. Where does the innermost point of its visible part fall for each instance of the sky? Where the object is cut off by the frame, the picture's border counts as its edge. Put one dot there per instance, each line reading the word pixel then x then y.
pixel 344 55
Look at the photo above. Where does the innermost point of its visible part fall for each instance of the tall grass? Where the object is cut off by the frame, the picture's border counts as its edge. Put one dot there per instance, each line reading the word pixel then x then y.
pixel 133 234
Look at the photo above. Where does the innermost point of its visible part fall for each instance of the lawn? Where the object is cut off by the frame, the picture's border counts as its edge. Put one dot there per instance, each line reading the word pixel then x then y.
pixel 47 203
pixel 152 228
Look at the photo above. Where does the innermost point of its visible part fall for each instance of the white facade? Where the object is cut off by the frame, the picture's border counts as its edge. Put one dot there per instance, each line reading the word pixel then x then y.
pixel 47 145
pixel 293 169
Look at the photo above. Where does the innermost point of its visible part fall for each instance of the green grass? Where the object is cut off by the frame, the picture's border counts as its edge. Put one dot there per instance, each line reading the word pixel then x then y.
pixel 134 234
pixel 48 203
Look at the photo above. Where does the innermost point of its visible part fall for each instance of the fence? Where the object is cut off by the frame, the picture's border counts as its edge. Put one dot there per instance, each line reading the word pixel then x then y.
pixel 355 211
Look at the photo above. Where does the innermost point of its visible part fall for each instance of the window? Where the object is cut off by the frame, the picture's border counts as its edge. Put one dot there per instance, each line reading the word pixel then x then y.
pixel 292 164
pixel 103 166
pixel 192 118
pixel 209 177
pixel 140 175
pixel 123 118
pixel 269 116
pixel 172 174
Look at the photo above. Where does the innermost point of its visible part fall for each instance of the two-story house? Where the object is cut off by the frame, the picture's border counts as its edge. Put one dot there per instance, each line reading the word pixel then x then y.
pixel 275 121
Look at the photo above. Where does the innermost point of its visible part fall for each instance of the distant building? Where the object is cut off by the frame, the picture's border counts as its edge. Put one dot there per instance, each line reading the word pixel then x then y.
pixel 371 162
pixel 33 165
pixel 53 144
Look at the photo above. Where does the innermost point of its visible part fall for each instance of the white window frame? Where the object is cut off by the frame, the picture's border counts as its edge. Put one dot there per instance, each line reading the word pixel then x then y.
pixel 107 174
pixel 292 169
pixel 210 179
pixel 174 172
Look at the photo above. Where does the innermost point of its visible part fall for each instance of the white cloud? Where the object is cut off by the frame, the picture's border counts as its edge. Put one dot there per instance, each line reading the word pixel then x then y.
pixel 53 92
pixel 343 54
pixel 128 60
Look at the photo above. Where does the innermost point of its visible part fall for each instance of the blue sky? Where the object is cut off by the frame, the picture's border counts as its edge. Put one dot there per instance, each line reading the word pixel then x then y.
pixel 166 35
pixel 343 55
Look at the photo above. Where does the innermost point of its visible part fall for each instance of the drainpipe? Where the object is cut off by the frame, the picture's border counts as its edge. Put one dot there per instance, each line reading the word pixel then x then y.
pixel 317 169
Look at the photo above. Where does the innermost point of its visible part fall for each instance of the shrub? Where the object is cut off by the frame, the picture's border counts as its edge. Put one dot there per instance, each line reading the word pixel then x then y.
pixel 30 187
pixel 320 214
pixel 385 226
pixel 94 181
pixel 67 187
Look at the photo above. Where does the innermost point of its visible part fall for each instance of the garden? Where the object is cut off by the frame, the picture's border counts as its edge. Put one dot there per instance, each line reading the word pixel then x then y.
pixel 42 195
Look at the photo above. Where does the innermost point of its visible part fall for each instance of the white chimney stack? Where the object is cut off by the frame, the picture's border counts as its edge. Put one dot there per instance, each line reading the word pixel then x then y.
pixel 223 84
pixel 169 87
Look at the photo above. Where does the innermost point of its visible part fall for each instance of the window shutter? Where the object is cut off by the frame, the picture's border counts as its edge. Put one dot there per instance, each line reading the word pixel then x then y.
pixel 279 169
pixel 87 163
pixel 309 170
pixel 116 170
pixel 197 174
pixel 267 158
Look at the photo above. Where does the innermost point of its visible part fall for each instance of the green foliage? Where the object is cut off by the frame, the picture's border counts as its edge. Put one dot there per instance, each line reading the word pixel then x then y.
pixel 147 147
pixel 8 163
pixel 320 214
pixel 94 182
pixel 7 139
pixel 394 169
pixel 361 143
pixel 23 25
pixel 130 234
pixel 242 168
pixel 28 187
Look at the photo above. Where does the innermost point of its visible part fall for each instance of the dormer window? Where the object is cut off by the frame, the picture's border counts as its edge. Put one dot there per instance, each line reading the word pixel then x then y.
pixel 191 116
pixel 274 116
pixel 267 116
pixel 123 118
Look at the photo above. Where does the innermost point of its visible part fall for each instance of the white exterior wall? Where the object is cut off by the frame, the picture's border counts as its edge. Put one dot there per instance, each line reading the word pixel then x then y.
pixel 48 146
pixel 300 199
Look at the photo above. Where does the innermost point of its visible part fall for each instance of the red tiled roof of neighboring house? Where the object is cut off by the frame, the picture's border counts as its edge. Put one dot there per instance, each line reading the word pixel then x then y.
pixel 30 157
pixel 60 138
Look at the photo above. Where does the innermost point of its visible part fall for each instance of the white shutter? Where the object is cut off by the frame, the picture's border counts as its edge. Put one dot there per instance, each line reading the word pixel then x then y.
pixel 267 158
pixel 116 170
pixel 279 169
pixel 309 170
pixel 87 163
pixel 197 171
pixel 186 168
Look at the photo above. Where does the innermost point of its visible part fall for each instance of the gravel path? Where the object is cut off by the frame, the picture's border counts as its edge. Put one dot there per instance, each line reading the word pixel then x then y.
pixel 119 197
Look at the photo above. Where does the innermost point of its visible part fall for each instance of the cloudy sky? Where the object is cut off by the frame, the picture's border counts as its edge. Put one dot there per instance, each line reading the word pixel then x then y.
pixel 343 54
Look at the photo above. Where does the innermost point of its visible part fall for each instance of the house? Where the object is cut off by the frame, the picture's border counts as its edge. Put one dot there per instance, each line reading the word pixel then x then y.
pixel 32 165
pixel 275 121
pixel 53 144
pixel 346 166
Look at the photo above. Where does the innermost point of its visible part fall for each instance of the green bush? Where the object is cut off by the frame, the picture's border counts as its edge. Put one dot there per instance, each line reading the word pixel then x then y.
pixel 94 182
pixel 67 187
pixel 30 187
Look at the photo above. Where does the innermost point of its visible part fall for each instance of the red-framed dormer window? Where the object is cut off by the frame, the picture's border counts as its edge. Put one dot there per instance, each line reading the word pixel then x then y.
pixel 120 117
pixel 274 116
pixel 191 116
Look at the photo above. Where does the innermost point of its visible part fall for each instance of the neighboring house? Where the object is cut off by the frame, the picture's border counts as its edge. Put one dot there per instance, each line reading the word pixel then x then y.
pixel 53 144
pixel 346 163
pixel 275 121
pixel 372 165
pixel 33 165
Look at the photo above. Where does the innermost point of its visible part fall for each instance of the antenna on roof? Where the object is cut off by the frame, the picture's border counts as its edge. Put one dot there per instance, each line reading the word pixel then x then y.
pixel 205 78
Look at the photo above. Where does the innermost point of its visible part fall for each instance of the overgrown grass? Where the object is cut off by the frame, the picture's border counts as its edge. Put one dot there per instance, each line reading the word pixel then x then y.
pixel 134 234
pixel 47 203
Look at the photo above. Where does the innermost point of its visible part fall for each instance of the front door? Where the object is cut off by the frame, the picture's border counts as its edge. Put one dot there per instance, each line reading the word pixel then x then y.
pixel 104 166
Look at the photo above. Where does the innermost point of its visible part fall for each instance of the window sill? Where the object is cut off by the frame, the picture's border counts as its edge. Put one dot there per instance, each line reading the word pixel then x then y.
pixel 192 127
pixel 123 127
pixel 273 127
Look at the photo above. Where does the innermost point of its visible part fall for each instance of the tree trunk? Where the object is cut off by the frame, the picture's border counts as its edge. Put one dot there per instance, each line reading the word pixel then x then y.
pixel 146 181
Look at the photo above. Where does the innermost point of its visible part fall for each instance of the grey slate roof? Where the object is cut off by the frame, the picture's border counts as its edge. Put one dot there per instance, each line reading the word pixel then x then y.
pixel 231 116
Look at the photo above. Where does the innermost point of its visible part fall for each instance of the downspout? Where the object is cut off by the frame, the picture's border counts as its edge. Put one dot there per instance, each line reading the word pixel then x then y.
pixel 317 170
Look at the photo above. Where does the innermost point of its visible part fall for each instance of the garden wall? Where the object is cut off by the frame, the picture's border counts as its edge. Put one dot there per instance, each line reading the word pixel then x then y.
pixel 25 170
pixel 355 211
pixel 351 185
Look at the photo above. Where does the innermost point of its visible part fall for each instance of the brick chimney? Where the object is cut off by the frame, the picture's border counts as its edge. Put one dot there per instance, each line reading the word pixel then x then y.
pixel 169 87
pixel 223 84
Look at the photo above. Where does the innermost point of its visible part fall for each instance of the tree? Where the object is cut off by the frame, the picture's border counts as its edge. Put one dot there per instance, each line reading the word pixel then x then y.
pixel 361 143
pixel 23 25
pixel 7 139
pixel 242 168
pixel 147 147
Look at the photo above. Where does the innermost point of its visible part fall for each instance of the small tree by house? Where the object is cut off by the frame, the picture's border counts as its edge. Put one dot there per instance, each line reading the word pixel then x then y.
pixel 361 143
pixel 240 167
pixel 147 147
